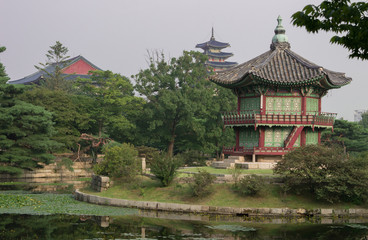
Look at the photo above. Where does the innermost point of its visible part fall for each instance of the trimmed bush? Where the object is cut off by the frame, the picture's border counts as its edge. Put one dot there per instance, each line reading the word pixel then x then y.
pixel 250 185
pixel 202 184
pixel 120 162
pixel 164 168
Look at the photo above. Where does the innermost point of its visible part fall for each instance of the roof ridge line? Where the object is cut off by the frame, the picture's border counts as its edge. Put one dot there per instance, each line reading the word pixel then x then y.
pixel 268 59
pixel 302 60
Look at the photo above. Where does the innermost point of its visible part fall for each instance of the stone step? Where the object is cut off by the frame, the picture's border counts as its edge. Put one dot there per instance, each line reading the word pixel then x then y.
pixel 239 158
pixel 219 164
pixel 256 165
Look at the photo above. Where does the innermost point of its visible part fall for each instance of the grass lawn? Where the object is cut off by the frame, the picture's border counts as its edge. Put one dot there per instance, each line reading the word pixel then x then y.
pixel 150 190
pixel 227 171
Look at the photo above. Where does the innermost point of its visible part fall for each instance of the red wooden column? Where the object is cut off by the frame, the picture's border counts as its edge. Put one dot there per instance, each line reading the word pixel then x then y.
pixel 319 105
pixel 237 138
pixel 304 105
pixel 303 137
pixel 261 137
pixel 319 136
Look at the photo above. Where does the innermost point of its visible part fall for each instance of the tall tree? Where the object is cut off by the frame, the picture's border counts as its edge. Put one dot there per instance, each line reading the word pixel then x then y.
pixel 364 121
pixel 53 77
pixel 70 113
pixel 180 102
pixel 114 105
pixel 348 20
pixel 3 76
pixel 351 135
pixel 25 130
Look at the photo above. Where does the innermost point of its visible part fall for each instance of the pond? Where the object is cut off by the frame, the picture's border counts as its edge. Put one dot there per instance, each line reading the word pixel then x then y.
pixel 26 215
pixel 135 227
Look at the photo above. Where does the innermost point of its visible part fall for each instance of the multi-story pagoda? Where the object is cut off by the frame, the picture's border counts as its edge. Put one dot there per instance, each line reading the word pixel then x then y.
pixel 216 58
pixel 279 101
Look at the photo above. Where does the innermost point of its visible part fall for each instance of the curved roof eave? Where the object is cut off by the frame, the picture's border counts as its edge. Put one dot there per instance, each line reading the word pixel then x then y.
pixel 281 67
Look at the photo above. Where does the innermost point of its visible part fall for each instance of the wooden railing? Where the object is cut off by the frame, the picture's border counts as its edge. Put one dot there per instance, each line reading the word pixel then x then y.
pixel 256 150
pixel 282 117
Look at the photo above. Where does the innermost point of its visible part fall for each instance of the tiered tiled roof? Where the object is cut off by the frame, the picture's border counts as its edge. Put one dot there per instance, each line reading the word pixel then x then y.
pixel 280 66
pixel 217 59
pixel 212 43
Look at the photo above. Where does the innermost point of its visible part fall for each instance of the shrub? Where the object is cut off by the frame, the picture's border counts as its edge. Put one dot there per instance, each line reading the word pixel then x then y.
pixel 147 152
pixel 164 168
pixel 326 172
pixel 120 161
pixel 250 185
pixel 202 184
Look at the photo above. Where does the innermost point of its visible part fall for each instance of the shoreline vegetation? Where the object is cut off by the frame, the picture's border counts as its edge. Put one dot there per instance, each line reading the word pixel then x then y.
pixel 222 194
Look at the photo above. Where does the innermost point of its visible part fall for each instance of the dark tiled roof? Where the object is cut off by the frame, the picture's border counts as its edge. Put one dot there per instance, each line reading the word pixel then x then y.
pixel 35 77
pixel 280 66
pixel 212 43
pixel 221 64
pixel 219 54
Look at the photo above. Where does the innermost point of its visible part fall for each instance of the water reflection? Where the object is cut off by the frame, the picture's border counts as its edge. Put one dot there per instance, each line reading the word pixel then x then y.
pixel 51 185
pixel 135 227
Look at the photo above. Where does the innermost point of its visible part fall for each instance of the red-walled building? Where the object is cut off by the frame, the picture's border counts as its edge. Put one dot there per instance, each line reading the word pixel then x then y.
pixel 72 68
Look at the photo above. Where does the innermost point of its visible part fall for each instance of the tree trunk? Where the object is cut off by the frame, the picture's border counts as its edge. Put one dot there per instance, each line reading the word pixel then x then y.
pixel 170 147
pixel 100 125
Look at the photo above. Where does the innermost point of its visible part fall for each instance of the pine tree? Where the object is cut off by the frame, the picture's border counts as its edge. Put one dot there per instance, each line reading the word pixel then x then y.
pixel 25 130
pixel 53 77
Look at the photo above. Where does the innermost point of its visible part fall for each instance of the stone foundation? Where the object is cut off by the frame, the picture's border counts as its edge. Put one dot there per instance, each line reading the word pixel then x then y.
pixel 100 183
pixel 52 171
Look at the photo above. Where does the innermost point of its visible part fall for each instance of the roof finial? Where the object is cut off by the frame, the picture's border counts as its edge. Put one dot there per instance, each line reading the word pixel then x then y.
pixel 279 33
pixel 280 40
pixel 212 36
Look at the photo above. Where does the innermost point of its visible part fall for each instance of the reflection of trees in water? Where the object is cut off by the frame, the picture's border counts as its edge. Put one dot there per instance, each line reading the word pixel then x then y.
pixel 132 227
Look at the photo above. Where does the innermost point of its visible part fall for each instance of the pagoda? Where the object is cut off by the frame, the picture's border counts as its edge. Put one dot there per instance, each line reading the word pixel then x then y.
pixel 279 101
pixel 76 67
pixel 216 58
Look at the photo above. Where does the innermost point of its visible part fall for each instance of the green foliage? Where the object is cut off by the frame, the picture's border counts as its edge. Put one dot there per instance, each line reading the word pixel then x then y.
pixel 115 108
pixel 164 168
pixel 351 135
pixel 70 113
pixel 347 20
pixel 3 76
pixel 183 108
pixel 325 172
pixel 147 152
pixel 364 121
pixel 25 132
pixel 202 184
pixel 120 162
pixel 66 162
pixel 250 185
pixel 55 79
pixel 192 158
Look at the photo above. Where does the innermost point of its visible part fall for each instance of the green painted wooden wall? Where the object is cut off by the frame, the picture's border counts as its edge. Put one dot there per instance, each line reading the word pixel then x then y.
pixel 247 104
pixel 286 105
pixel 311 137
pixel 248 137
pixel 312 105
pixel 276 136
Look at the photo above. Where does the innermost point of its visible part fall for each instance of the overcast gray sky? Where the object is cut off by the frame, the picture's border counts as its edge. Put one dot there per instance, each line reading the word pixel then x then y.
pixel 116 34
